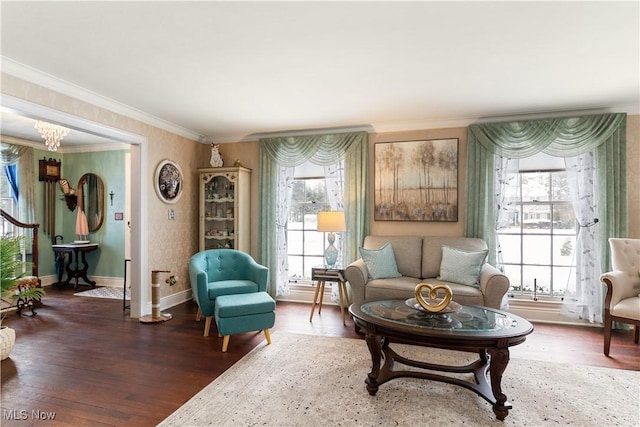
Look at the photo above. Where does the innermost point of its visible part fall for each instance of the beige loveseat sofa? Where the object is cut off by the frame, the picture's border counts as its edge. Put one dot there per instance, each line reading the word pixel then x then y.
pixel 418 259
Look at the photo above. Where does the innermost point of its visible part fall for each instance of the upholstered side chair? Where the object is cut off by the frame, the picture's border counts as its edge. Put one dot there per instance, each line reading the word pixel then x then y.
pixel 217 272
pixel 622 303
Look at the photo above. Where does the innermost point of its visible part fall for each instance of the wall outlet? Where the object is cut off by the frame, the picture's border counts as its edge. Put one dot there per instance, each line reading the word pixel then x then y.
pixel 172 215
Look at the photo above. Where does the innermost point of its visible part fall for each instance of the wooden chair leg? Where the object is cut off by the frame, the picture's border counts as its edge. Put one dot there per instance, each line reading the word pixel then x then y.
pixel 636 334
pixel 267 335
pixel 225 343
pixel 607 334
pixel 198 315
pixel 207 326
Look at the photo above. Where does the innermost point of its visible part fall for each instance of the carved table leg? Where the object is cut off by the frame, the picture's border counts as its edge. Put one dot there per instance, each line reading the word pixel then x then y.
pixel 83 272
pixel 373 342
pixel 499 361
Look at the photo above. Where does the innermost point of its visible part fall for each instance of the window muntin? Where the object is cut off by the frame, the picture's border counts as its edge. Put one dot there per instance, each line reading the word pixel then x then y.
pixel 538 241
pixel 305 245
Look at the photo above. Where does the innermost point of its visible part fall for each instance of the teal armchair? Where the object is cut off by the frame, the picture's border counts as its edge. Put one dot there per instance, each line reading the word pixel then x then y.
pixel 217 272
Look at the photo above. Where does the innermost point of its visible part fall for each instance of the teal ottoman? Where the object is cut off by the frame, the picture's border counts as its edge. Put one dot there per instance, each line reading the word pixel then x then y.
pixel 240 313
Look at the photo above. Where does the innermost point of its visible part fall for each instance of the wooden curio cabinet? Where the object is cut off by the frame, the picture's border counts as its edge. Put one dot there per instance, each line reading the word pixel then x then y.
pixel 225 208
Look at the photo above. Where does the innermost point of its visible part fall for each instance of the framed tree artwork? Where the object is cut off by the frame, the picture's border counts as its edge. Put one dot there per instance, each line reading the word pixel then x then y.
pixel 416 180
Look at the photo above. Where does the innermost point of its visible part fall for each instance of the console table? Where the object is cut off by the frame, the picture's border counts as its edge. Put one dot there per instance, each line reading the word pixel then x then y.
pixel 76 265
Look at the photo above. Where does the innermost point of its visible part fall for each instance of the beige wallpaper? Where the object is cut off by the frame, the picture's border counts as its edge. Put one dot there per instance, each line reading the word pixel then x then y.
pixel 171 243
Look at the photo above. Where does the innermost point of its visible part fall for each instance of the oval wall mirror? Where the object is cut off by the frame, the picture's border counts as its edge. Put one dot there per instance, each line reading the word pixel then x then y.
pixel 91 199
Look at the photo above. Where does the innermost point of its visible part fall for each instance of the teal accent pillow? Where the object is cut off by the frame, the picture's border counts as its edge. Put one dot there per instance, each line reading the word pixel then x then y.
pixel 381 263
pixel 460 266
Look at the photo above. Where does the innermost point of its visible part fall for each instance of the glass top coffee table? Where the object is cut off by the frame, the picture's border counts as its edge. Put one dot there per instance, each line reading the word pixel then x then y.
pixel 486 331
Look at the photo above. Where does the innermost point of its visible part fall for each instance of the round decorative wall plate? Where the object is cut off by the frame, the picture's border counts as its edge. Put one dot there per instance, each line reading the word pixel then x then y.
pixel 168 181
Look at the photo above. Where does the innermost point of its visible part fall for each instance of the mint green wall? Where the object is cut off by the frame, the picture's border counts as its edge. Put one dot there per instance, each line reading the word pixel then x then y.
pixel 108 260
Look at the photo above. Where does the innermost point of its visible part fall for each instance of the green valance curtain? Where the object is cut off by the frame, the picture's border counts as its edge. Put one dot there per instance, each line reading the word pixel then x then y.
pixel 563 137
pixel 323 150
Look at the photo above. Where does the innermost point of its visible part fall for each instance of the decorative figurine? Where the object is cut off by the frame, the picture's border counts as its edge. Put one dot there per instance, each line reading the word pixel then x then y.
pixel 216 159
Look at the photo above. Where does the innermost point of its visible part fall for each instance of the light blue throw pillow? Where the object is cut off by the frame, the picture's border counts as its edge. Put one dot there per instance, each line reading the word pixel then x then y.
pixel 460 266
pixel 381 263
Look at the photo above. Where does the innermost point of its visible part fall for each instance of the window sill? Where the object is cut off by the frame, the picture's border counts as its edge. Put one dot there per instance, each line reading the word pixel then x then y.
pixel 544 312
pixel 305 293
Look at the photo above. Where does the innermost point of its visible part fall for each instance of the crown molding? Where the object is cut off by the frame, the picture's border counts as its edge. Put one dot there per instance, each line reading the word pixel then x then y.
pixel 35 76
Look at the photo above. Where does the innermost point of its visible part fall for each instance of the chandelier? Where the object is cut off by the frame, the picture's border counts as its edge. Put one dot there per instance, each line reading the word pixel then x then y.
pixel 52 134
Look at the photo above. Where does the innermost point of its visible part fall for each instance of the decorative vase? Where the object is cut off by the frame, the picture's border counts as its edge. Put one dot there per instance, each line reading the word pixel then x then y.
pixel 331 253
pixel 7 341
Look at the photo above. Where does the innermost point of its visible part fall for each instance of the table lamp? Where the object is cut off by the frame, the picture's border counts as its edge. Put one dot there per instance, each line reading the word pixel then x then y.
pixel 331 222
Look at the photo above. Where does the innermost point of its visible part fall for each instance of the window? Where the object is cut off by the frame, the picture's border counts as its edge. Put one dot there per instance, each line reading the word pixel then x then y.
pixel 538 237
pixel 7 203
pixel 310 193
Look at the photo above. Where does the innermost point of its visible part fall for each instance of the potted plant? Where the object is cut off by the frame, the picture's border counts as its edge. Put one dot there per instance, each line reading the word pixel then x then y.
pixel 12 268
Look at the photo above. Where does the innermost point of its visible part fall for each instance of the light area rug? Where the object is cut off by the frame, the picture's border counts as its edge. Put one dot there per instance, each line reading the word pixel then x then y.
pixel 304 380
pixel 104 292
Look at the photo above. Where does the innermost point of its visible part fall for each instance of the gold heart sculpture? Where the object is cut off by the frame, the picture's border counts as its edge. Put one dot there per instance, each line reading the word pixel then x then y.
pixel 433 294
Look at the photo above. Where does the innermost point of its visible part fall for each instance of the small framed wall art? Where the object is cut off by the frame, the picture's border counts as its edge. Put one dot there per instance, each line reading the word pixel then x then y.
pixel 168 181
pixel 416 180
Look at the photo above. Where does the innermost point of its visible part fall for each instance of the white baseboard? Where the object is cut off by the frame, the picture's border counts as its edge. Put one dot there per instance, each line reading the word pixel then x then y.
pixel 117 282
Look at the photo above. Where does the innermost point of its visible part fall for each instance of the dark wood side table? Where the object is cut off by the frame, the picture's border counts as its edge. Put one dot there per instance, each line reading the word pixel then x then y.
pixel 76 258
pixel 321 275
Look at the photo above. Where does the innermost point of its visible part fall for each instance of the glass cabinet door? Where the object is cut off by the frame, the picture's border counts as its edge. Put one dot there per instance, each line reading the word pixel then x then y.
pixel 218 215
pixel 224 211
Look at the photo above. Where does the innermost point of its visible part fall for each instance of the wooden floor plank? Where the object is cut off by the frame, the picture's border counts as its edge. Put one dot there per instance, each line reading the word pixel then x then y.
pixel 90 364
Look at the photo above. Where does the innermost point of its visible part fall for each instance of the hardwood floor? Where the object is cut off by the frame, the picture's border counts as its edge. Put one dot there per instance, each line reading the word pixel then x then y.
pixel 89 364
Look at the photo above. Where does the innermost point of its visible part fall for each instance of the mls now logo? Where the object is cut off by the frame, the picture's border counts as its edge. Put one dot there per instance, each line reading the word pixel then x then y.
pixel 21 415
pixel 15 415
pixel 42 415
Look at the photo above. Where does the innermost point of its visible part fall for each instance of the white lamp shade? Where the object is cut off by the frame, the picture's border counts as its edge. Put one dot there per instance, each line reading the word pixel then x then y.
pixel 331 221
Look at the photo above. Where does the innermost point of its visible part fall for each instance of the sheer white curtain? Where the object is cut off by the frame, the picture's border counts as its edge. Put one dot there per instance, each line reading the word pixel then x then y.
pixel 506 196
pixel 585 301
pixel 334 184
pixel 283 202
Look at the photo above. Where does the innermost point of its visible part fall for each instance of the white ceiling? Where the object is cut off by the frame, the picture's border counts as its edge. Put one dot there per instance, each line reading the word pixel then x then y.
pixel 234 71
